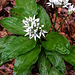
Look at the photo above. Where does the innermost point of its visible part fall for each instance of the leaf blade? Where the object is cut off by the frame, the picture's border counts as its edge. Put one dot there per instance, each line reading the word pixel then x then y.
pixel 19 46
pixel 26 60
pixel 44 18
pixel 44 64
pixel 20 12
pixel 5 41
pixel 29 5
pixel 70 57
pixel 56 60
pixel 56 42
pixel 13 24
pixel 54 71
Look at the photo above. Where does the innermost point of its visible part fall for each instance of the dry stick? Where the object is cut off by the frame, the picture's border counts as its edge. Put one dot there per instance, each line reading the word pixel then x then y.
pixel 55 19
pixel 62 22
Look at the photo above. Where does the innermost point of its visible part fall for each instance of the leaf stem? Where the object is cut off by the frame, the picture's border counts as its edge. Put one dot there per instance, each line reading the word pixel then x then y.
pixel 62 22
pixel 55 19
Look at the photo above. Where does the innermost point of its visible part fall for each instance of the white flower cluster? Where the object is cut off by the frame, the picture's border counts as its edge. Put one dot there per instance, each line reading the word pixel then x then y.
pixel 63 4
pixel 33 28
pixel 71 9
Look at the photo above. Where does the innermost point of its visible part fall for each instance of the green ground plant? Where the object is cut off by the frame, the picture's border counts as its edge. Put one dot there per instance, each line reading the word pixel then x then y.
pixel 50 49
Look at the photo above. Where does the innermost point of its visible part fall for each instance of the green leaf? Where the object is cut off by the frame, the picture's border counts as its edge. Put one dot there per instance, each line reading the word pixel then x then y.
pixel 70 57
pixel 20 45
pixel 5 41
pixel 44 18
pixel 0 57
pixel 44 64
pixel 13 24
pixel 54 71
pixel 20 12
pixel 29 5
pixel 26 72
pixel 56 60
pixel 24 62
pixel 56 42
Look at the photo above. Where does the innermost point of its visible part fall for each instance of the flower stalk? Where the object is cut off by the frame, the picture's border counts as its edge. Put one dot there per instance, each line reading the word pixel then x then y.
pixel 62 22
pixel 55 19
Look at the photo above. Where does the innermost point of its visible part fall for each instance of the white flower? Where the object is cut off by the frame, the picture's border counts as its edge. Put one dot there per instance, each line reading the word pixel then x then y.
pixel 33 28
pixel 54 3
pixel 51 2
pixel 71 9
pixel 42 33
pixel 65 3
pixel 58 3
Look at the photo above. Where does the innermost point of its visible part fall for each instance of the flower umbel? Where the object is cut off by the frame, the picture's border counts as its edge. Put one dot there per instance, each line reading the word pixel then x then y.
pixel 71 9
pixel 33 28
pixel 58 3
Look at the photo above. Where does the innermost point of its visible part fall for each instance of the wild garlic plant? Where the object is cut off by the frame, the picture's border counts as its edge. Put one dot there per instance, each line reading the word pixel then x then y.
pixel 32 42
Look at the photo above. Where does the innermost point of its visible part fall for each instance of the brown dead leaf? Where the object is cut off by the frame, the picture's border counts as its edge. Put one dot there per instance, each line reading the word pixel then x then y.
pixel 73 36
pixel 3 3
pixel 72 72
pixel 3 34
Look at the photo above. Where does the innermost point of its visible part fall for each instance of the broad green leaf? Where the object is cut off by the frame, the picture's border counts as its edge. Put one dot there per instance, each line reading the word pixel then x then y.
pixel 54 71
pixel 24 62
pixel 44 18
pixel 5 41
pixel 26 72
pixel 70 57
pixel 56 60
pixel 44 64
pixel 56 42
pixel 29 5
pixel 0 57
pixel 20 12
pixel 18 46
pixel 13 24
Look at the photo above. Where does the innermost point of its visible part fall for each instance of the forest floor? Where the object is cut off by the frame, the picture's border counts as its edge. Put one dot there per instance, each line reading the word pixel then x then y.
pixel 67 30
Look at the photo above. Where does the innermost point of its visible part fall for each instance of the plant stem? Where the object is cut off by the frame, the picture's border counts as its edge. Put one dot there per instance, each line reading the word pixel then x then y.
pixel 62 22
pixel 55 19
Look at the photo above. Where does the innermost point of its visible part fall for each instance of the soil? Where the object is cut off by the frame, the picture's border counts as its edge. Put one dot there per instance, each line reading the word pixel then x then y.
pixel 67 30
